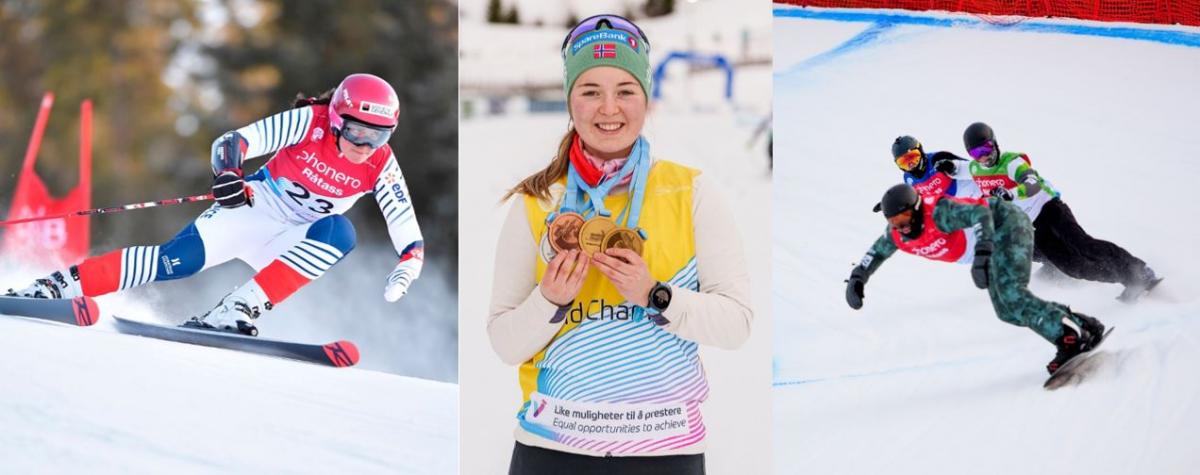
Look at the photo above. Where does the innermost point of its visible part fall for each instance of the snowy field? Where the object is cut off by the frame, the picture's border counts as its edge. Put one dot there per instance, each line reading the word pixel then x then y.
pixel 76 400
pixel 90 400
pixel 497 152
pixel 925 379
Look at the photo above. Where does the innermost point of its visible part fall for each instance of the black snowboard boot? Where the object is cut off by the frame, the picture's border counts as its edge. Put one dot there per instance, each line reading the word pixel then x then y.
pixel 1081 334
pixel 1140 286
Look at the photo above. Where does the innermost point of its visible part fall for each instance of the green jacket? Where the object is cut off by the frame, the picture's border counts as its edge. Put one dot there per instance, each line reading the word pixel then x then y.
pixel 1014 172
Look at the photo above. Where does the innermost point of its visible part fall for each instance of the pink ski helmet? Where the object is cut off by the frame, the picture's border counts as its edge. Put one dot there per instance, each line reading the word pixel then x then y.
pixel 364 98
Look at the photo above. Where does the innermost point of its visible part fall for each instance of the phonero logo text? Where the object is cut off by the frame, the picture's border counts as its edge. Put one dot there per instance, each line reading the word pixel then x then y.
pixel 988 183
pixel 604 50
pixel 934 249
pixel 377 109
pixel 933 186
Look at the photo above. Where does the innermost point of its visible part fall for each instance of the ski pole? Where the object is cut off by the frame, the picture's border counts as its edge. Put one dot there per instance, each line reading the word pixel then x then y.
pixel 114 209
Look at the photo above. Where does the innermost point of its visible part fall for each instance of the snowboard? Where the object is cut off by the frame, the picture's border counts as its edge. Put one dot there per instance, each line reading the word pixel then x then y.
pixel 81 311
pixel 337 354
pixel 1077 369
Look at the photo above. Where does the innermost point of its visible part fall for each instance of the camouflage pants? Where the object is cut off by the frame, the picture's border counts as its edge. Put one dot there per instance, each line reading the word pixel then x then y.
pixel 1008 276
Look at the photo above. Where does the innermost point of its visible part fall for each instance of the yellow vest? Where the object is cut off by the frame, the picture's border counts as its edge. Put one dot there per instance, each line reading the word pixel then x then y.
pixel 604 356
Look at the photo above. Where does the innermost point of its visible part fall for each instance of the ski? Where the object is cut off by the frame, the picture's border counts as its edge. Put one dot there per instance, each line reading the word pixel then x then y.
pixel 338 354
pixel 1076 369
pixel 81 311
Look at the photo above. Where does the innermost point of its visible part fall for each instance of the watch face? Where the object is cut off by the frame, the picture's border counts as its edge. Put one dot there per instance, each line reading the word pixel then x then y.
pixel 662 297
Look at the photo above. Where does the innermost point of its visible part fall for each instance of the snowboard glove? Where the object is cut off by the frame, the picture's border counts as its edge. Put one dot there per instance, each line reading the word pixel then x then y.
pixel 854 287
pixel 229 189
pixel 1002 193
pixel 983 258
pixel 946 166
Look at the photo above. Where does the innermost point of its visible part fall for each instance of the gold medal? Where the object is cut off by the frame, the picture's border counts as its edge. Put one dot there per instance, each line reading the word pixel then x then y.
pixel 564 232
pixel 591 235
pixel 622 238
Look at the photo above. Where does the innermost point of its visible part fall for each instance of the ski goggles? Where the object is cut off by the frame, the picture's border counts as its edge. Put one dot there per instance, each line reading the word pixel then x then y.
pixel 361 134
pixel 982 151
pixel 910 160
pixel 594 23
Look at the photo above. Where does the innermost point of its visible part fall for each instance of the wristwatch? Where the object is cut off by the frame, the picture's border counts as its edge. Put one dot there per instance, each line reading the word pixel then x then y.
pixel 660 297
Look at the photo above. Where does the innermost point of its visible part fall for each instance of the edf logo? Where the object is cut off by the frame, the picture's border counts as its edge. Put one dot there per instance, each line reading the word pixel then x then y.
pixel 399 192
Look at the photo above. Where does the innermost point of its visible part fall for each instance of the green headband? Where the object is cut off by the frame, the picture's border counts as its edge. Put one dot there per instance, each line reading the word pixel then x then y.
pixel 607 47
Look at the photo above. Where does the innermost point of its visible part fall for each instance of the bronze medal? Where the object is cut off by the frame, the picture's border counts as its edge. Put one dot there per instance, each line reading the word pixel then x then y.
pixel 564 231
pixel 591 235
pixel 622 238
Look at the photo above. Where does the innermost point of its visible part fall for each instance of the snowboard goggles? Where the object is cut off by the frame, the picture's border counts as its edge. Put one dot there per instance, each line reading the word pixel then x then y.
pixel 982 151
pixel 360 134
pixel 910 160
pixel 594 23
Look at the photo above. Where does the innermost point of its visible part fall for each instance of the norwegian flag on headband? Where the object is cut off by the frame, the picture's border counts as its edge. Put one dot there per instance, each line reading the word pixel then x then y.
pixel 604 50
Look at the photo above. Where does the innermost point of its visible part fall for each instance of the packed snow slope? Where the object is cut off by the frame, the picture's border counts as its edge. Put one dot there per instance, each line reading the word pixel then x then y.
pixel 925 378
pixel 91 400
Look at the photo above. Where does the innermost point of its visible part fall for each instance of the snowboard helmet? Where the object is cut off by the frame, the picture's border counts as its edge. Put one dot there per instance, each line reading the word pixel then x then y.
pixel 909 155
pixel 980 141
pixel 364 110
pixel 901 205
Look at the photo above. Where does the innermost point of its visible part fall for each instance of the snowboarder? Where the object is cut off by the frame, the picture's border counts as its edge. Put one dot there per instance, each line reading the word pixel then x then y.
pixel 932 175
pixel 1057 236
pixel 998 248
pixel 286 219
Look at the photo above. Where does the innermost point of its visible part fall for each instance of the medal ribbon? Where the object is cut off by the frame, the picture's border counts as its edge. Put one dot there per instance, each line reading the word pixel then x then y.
pixel 638 165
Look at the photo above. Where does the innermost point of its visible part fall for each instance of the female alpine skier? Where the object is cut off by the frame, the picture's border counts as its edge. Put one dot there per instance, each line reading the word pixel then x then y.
pixel 286 219
pixel 611 269
pixel 1057 236
pixel 999 248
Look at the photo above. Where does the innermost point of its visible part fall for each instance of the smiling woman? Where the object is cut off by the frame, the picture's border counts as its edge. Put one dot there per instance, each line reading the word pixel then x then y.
pixel 605 324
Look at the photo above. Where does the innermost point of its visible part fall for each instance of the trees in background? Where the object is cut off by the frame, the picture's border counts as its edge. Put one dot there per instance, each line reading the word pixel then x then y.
pixel 168 77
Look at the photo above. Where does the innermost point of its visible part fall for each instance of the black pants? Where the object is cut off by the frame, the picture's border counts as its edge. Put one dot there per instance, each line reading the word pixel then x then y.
pixel 1060 239
pixel 528 460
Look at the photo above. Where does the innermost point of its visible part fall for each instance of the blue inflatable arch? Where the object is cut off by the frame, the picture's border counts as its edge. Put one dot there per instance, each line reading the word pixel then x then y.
pixel 715 60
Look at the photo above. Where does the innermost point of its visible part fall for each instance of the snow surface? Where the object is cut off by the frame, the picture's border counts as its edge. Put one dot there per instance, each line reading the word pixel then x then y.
pixel 90 400
pixel 925 378
pixel 498 151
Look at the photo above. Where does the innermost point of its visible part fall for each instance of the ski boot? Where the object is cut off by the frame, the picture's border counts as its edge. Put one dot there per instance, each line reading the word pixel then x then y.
pixel 235 313
pixel 1142 286
pixel 1081 334
pixel 53 286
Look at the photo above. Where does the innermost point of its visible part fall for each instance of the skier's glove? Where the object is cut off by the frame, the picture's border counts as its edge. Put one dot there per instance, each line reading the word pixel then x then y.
pixel 854 287
pixel 229 189
pixel 1002 193
pixel 983 259
pixel 946 166
pixel 401 277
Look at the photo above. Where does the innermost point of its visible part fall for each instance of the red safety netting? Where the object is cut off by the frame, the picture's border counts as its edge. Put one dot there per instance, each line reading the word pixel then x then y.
pixel 1168 12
